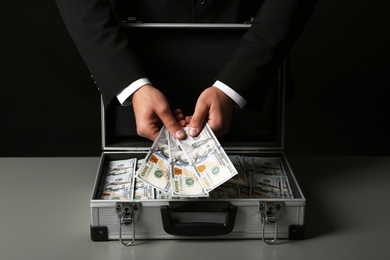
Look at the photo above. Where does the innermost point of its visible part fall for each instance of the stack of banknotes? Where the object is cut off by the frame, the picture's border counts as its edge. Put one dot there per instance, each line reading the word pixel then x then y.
pixel 258 177
pixel 119 179
pixel 194 168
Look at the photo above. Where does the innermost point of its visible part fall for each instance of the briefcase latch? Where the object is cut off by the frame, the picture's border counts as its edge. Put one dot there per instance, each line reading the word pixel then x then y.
pixel 270 213
pixel 128 213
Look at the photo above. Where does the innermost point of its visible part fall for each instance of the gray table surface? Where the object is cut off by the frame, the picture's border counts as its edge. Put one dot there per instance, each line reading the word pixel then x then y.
pixel 45 214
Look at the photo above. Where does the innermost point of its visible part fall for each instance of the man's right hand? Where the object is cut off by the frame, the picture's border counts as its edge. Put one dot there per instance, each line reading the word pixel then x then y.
pixel 152 111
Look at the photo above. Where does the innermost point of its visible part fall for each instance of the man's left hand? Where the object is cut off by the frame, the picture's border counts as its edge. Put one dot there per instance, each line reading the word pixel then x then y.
pixel 215 108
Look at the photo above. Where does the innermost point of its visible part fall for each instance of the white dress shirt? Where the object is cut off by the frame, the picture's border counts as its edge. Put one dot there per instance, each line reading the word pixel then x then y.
pixel 124 95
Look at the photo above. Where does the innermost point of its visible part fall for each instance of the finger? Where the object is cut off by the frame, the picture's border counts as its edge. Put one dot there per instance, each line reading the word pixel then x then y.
pixel 197 119
pixel 148 129
pixel 171 124
pixel 178 113
pixel 151 134
pixel 188 120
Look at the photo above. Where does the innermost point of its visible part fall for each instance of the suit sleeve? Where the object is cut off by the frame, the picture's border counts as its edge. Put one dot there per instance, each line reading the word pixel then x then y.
pixel 254 66
pixel 102 44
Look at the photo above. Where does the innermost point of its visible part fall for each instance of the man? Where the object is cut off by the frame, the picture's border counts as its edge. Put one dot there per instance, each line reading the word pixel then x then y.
pixel 244 81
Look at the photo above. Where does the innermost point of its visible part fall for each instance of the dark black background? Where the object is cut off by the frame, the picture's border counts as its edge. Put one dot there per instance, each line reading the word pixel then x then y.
pixel 339 64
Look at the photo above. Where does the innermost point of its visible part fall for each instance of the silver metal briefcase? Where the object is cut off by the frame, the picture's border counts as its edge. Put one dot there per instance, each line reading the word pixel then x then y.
pixel 238 217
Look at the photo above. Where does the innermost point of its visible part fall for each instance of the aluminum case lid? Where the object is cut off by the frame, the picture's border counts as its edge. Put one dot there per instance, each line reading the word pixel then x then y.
pixel 182 60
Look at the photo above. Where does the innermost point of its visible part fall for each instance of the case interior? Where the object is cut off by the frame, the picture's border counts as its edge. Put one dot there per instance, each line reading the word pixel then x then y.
pixel 183 62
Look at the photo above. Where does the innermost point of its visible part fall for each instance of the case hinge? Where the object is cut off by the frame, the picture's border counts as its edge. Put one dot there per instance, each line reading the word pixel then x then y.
pixel 251 20
pixel 131 19
pixel 270 213
pixel 128 214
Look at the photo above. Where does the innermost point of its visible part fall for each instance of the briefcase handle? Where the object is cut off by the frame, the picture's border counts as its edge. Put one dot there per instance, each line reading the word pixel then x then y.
pixel 199 228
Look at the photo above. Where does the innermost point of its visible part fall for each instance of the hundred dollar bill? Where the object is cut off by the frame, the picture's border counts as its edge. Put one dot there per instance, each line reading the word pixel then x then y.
pixel 119 167
pixel 225 191
pixel 185 180
pixel 117 192
pixel 210 160
pixel 236 160
pixel 120 171
pixel 263 165
pixel 241 178
pixel 269 184
pixel 155 169
pixel 286 186
pixel 142 190
pixel 259 193
pixel 273 186
pixel 167 196
pixel 244 191
pixel 118 180
pixel 140 162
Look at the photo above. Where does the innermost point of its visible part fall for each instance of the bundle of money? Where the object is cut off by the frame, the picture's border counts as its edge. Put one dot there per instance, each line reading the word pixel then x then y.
pixel 119 178
pixel 191 167
pixel 141 189
pixel 194 168
pixel 258 177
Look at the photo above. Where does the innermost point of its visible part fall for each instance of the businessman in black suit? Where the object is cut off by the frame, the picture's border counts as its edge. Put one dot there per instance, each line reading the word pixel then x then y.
pixel 244 81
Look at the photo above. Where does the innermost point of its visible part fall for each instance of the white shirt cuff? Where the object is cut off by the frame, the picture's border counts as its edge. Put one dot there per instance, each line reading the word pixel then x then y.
pixel 240 101
pixel 124 95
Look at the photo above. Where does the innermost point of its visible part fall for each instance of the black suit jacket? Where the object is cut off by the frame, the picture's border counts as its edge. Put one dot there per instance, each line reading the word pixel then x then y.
pixel 105 48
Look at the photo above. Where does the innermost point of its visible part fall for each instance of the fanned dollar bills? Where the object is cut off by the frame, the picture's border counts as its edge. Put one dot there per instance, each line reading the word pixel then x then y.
pixel 186 168
pixel 185 178
pixel 156 168
pixel 195 167
pixel 208 158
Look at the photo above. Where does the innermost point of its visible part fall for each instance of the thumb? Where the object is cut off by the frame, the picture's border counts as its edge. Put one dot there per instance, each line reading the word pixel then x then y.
pixel 197 120
pixel 171 124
